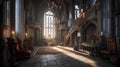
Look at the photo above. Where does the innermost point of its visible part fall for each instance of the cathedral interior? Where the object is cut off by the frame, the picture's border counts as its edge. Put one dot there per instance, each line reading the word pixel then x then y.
pixel 59 33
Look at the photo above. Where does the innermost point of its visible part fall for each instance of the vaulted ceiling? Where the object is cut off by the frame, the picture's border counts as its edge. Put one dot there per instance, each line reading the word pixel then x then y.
pixel 41 6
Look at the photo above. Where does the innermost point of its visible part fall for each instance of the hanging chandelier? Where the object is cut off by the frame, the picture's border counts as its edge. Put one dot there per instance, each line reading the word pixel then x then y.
pixel 52 6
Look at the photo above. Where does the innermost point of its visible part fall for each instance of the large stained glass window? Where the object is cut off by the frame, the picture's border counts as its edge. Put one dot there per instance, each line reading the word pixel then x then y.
pixel 49 27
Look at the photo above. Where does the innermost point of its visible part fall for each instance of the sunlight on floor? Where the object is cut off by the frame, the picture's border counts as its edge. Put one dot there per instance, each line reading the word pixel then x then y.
pixel 77 57
pixel 83 52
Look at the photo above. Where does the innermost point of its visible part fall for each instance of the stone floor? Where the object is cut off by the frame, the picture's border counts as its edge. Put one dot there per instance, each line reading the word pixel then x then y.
pixel 59 56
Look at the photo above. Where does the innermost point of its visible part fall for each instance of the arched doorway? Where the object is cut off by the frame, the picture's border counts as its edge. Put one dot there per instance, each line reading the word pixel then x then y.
pixel 91 33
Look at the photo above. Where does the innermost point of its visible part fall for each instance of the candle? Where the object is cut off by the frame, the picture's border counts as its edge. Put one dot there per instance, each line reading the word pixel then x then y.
pixel 13 34
pixel 26 34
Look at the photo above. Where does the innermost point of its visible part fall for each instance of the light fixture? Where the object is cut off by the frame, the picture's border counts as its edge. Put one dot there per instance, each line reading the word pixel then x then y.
pixel 78 34
pixel 26 34
pixel 101 33
pixel 13 33
pixel 82 13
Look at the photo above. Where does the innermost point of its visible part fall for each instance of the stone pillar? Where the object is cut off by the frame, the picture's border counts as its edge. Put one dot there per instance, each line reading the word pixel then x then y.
pixel 1 33
pixel 12 16
pixel 8 19
pixel 118 39
pixel 73 9
pixel 19 19
pixel 110 18
pixel 107 17
pixel 3 53
pixel 103 16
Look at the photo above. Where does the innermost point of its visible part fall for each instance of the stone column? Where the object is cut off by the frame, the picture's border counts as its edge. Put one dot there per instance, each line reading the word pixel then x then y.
pixel 103 16
pixel 118 39
pixel 3 53
pixel 110 18
pixel 19 19
pixel 107 17
pixel 8 19
pixel 1 33
pixel 73 9
pixel 12 16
